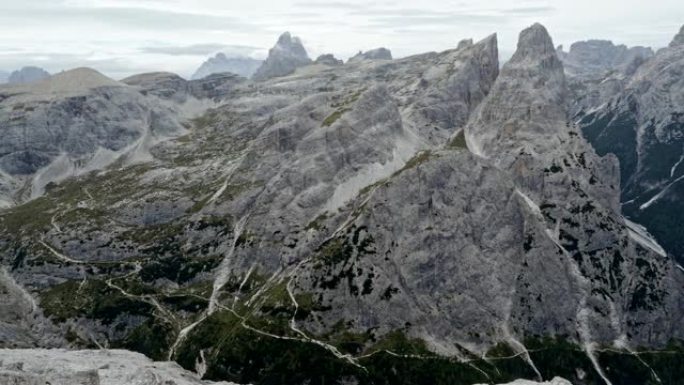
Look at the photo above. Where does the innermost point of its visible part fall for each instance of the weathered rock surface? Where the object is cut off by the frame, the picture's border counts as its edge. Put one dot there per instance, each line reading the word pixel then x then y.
pixel 28 75
pixel 243 66
pixel 284 58
pixel 90 367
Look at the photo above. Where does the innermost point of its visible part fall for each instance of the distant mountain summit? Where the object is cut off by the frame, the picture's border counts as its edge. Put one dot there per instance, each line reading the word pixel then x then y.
pixel 243 66
pixel 374 54
pixel 284 58
pixel 593 56
pixel 28 75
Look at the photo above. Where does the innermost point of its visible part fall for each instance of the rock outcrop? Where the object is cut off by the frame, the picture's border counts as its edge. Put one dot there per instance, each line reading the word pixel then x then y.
pixel 374 54
pixel 329 60
pixel 284 58
pixel 90 367
pixel 28 75
pixel 240 65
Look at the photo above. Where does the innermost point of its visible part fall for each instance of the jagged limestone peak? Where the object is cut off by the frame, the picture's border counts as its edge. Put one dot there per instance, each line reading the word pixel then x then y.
pixel 534 43
pixel 284 58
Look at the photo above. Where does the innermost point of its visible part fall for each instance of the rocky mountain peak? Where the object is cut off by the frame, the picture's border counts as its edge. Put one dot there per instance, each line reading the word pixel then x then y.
pixel 527 101
pixel 284 58
pixel 678 39
pixel 291 45
pixel 534 42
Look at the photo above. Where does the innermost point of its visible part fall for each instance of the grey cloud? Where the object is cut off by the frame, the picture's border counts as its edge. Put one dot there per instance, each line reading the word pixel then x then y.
pixel 127 17
pixel 199 49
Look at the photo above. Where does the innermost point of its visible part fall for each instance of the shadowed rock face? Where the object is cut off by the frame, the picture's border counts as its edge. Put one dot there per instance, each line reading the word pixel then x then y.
pixel 284 58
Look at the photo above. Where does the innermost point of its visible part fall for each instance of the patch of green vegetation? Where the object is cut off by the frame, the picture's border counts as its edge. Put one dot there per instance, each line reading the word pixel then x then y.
pixel 93 299
pixel 209 119
pixel 318 223
pixel 398 342
pixel 27 218
pixel 458 142
pixel 418 159
pixel 237 354
pixel 332 118
pixel 178 268
pixel 335 251
pixel 152 338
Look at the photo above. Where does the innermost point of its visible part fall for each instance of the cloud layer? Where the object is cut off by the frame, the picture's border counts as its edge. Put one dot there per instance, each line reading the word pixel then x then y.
pixel 122 37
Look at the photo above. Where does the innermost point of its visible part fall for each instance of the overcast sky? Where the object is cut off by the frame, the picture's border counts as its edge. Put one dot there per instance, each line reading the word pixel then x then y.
pixel 122 37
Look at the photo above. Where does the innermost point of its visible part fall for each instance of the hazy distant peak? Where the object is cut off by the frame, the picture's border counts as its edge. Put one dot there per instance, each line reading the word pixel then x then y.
pixel 28 74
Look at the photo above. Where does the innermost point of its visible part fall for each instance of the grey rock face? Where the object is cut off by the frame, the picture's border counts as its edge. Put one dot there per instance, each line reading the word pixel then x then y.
pixel 328 59
pixel 374 54
pixel 284 58
pixel 28 75
pixel 243 66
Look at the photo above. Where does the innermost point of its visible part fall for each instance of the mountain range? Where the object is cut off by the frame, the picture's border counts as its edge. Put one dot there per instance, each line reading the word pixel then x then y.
pixel 437 219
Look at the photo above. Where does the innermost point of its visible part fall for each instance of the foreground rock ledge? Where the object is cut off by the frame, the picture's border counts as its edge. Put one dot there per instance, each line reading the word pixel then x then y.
pixel 90 367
